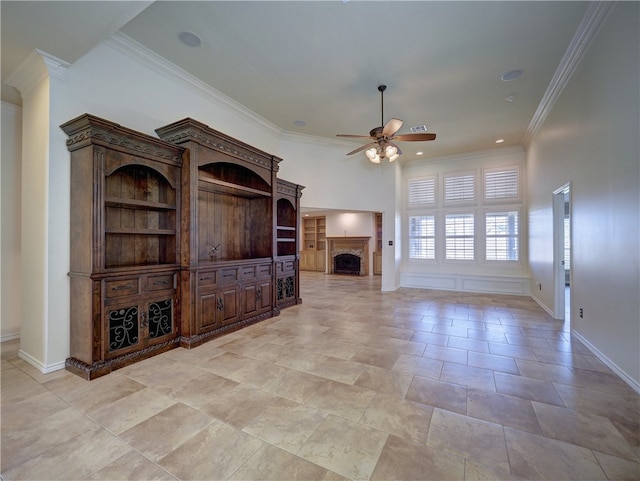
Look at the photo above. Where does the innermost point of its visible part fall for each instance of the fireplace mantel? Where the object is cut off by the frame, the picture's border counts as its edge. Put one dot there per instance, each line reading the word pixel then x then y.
pixel 352 245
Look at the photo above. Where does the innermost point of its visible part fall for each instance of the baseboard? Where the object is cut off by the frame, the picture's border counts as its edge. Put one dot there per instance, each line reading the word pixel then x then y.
pixel 633 384
pixel 10 337
pixel 509 285
pixel 543 305
pixel 44 369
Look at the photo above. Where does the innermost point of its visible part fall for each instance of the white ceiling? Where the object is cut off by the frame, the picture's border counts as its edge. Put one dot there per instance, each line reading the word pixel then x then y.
pixel 321 62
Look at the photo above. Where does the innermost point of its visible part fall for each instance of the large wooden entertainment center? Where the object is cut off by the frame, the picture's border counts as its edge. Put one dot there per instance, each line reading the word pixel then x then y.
pixel 174 240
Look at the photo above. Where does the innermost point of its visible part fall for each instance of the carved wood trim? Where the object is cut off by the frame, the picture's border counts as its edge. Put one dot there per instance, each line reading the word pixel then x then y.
pixel 89 129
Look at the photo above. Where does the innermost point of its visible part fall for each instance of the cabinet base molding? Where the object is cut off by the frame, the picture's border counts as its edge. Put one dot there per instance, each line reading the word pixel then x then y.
pixel 101 368
pixel 190 342
pixel 292 302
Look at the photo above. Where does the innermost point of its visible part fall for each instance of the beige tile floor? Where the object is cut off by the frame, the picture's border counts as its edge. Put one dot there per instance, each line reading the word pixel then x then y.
pixel 352 384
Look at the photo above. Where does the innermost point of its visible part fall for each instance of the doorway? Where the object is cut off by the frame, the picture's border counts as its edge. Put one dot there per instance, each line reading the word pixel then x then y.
pixel 562 253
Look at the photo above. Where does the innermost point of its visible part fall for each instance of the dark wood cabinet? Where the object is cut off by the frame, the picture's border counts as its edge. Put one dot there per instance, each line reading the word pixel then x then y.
pixel 125 237
pixel 174 241
pixel 240 222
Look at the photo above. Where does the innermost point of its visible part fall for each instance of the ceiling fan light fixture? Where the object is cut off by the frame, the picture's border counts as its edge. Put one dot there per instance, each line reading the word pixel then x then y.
pixel 390 151
pixel 371 153
pixel 394 157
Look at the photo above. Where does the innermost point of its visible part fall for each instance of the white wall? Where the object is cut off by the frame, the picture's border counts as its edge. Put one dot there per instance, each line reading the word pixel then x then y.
pixel 350 224
pixel 590 139
pixel 10 219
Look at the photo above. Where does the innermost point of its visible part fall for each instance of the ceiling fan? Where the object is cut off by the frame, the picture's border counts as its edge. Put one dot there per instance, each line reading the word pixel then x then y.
pixel 382 145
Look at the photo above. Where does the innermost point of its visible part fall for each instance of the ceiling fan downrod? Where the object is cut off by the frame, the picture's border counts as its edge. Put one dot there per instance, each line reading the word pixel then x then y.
pixel 381 89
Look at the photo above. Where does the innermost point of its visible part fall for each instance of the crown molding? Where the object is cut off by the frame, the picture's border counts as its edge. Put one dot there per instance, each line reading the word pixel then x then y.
pixel 34 69
pixel 593 19
pixel 290 136
pixel 141 54
pixel 13 109
pixel 513 149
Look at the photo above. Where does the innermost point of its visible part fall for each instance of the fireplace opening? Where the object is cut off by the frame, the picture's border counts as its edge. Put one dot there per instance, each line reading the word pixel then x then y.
pixel 346 264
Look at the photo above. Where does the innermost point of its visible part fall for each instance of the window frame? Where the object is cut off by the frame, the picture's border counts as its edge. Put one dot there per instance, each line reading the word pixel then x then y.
pixel 474 237
pixel 435 236
pixel 500 210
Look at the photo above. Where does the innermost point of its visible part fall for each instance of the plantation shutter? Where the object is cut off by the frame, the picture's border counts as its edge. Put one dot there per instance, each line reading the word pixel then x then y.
pixel 502 184
pixel 422 191
pixel 459 188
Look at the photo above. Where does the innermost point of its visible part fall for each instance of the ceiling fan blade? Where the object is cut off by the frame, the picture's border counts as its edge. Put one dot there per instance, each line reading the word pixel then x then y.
pixel 364 147
pixel 414 137
pixel 353 136
pixel 391 127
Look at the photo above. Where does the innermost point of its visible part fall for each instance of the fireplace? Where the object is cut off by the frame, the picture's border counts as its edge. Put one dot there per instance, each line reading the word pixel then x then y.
pixel 346 264
pixel 348 255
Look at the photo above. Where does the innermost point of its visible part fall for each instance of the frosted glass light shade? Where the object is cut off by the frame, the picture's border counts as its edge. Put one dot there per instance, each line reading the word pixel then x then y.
pixel 390 150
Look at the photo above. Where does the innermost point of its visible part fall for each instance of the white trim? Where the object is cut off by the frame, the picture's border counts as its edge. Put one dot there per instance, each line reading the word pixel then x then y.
pixel 593 19
pixel 139 53
pixel 34 69
pixel 44 369
pixel 633 384
pixel 542 305
pixel 10 337
pixel 15 110
pixel 509 285
pixel 469 156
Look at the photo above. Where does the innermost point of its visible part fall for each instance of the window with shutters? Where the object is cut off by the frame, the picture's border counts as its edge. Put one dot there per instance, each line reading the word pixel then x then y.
pixel 422 192
pixel 471 216
pixel 502 236
pixel 459 236
pixel 422 237
pixel 502 184
pixel 459 188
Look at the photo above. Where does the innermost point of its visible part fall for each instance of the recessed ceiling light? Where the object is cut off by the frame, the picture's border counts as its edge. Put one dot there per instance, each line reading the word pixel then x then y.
pixel 299 123
pixel 499 141
pixel 190 39
pixel 419 153
pixel 511 75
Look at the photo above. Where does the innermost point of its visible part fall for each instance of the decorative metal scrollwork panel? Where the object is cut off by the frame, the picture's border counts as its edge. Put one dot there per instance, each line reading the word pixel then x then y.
pixel 160 318
pixel 289 286
pixel 280 289
pixel 286 288
pixel 123 328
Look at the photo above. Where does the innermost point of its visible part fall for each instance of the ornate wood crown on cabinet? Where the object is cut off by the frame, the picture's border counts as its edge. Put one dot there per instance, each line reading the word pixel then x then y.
pixel 173 241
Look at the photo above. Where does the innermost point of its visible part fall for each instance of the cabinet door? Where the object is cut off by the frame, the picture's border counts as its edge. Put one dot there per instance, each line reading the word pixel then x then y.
pixel 207 317
pixel 227 307
pixel 377 263
pixel 159 319
pixel 286 288
pixel 311 260
pixel 256 298
pixel 264 295
pixel 250 305
pixel 321 261
pixel 135 325
pixel 123 329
